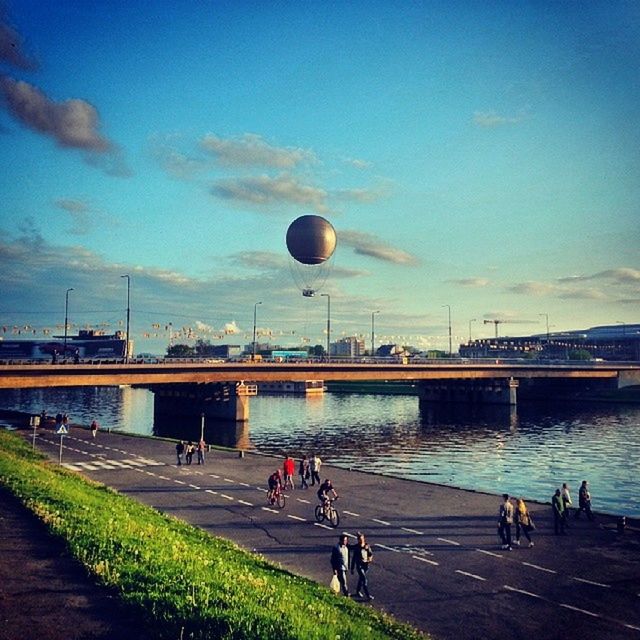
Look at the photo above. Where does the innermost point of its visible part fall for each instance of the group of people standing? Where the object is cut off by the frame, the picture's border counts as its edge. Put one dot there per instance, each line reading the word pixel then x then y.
pixel 187 450
pixel 308 469
pixel 517 514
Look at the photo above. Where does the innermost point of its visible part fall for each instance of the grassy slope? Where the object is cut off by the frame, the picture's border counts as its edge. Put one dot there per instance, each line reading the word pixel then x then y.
pixel 180 579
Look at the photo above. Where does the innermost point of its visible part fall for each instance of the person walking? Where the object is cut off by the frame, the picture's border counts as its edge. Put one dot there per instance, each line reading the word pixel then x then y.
pixel 315 464
pixel 505 521
pixel 180 452
pixel 189 452
pixel 94 428
pixel 361 557
pixel 524 523
pixel 288 466
pixel 584 501
pixel 340 562
pixel 558 513
pixel 303 472
pixel 566 503
pixel 200 450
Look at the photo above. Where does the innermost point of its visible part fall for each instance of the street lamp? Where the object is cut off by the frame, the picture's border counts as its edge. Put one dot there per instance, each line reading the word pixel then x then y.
pixel 66 319
pixel 328 297
pixel 470 321
pixel 373 333
pixel 255 312
pixel 126 352
pixel 546 315
pixel 449 307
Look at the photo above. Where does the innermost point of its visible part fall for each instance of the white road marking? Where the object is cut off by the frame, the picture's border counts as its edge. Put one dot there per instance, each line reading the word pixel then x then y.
pixel 630 626
pixel 267 509
pixel 296 518
pixel 305 501
pixel 538 567
pixel 213 475
pixel 212 492
pixel 244 484
pixel 179 482
pixel 471 575
pixel 384 546
pixel 229 480
pixel 195 486
pixel 453 542
pixel 595 584
pixel 164 478
pixel 324 526
pixel 526 593
pixel 224 495
pixel 433 562
pixel 381 521
pixel 262 489
pixel 349 513
pixel 490 553
pixel 588 613
pixel 249 504
pixel 420 533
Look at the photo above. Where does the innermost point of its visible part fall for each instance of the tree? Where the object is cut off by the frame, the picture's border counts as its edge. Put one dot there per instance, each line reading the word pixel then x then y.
pixel 317 350
pixel 180 351
pixel 579 354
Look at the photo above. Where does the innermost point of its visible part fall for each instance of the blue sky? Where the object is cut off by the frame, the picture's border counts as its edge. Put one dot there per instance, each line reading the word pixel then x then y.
pixel 478 155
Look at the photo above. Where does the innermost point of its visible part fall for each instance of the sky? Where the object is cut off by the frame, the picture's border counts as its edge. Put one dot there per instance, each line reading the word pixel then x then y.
pixel 475 158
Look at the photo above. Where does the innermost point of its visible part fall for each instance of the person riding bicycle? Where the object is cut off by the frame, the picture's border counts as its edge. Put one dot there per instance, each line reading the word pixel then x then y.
pixel 275 485
pixel 325 489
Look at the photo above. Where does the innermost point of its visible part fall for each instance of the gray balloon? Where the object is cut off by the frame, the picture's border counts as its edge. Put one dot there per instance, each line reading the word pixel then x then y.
pixel 311 239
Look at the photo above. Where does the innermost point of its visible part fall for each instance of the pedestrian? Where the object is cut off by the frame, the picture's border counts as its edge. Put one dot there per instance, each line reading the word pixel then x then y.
pixel 43 417
pixel 505 521
pixel 76 357
pixel 584 501
pixel 200 450
pixel 288 467
pixel 303 472
pixel 189 452
pixel 566 503
pixel 524 522
pixel 558 513
pixel 314 465
pixel 361 557
pixel 180 451
pixel 340 562
pixel 54 356
pixel 94 428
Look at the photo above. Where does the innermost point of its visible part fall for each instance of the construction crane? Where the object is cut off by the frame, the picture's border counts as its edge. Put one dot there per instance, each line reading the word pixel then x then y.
pixel 494 322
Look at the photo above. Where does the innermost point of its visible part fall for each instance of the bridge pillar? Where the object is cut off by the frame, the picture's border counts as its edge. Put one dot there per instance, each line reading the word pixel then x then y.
pixel 471 391
pixel 179 410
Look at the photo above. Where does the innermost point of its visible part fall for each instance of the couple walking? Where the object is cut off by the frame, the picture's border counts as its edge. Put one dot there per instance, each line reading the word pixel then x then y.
pixel 510 515
pixel 358 557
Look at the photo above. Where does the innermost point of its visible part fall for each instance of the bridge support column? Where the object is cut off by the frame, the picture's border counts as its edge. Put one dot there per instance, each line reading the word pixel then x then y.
pixel 471 391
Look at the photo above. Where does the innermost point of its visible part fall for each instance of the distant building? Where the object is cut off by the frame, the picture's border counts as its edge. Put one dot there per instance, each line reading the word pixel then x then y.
pixel 351 347
pixel 619 342
pixel 224 351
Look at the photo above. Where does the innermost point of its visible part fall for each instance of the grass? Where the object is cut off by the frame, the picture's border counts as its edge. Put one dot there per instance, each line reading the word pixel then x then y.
pixel 182 582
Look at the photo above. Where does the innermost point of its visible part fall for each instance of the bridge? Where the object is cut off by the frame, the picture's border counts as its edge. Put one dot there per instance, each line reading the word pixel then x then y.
pixel 219 389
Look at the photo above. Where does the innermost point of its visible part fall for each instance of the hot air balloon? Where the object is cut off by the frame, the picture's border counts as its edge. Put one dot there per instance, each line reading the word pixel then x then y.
pixel 311 241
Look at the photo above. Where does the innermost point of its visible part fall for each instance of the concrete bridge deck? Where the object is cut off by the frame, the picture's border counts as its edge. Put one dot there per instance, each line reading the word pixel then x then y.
pixel 15 376
pixel 437 564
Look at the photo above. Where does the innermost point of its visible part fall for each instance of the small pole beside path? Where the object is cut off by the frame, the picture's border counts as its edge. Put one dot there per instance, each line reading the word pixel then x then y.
pixel 62 432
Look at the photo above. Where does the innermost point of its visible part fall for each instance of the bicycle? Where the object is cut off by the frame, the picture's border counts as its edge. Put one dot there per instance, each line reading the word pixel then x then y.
pixel 327 511
pixel 276 498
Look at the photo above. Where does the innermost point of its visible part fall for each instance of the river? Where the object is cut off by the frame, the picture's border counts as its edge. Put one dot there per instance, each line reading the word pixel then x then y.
pixel 528 451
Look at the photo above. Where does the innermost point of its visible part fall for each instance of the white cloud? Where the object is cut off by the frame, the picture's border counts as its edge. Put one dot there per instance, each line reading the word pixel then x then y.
pixel 491 119
pixel 369 245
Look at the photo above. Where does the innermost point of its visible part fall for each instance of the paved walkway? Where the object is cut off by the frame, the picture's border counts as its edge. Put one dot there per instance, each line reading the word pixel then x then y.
pixel 437 565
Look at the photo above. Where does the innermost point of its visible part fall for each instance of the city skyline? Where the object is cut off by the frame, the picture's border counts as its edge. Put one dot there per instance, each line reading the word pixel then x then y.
pixel 474 159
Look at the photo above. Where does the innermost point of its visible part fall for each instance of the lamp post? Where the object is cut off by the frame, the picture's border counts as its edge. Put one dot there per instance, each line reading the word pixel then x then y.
pixel 449 308
pixel 66 319
pixel 470 321
pixel 373 332
pixel 546 315
pixel 328 297
pixel 126 350
pixel 255 313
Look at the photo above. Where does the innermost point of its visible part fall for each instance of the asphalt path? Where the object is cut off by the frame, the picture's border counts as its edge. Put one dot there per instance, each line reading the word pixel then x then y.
pixel 437 564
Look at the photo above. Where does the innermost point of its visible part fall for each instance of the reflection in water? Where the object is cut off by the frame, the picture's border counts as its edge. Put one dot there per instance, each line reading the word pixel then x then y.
pixel 530 451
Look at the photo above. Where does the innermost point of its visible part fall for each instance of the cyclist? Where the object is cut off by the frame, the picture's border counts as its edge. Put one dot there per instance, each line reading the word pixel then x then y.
pixel 275 485
pixel 325 489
